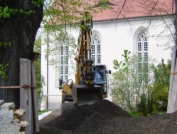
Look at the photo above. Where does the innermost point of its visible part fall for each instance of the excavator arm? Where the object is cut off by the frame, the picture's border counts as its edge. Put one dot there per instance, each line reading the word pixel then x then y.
pixel 85 91
pixel 84 64
pixel 90 80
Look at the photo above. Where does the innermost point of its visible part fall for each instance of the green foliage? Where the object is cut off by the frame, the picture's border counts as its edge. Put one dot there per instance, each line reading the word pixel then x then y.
pixel 6 12
pixel 60 18
pixel 4 66
pixel 3 70
pixel 39 77
pixel 5 44
pixel 133 114
pixel 128 85
pixel 159 112
pixel 42 111
pixel 161 85
pixel 146 104
pixel 38 3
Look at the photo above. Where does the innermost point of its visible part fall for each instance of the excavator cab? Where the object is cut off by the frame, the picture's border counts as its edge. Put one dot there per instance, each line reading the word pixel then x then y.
pixel 89 94
pixel 101 78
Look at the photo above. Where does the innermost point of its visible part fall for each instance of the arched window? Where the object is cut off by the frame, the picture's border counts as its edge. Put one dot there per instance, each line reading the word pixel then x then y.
pixel 142 53
pixel 64 61
pixel 96 50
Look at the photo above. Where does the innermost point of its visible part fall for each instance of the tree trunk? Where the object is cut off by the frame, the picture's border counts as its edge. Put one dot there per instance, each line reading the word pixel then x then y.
pixel 19 30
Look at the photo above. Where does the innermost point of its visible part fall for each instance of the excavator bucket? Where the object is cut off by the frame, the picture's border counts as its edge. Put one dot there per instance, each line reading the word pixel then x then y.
pixel 84 94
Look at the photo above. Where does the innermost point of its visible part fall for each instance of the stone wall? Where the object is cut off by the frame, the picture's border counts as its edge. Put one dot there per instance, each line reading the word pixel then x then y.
pixel 10 122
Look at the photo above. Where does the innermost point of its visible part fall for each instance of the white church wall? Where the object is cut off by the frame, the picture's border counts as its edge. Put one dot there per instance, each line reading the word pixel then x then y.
pixel 115 37
pixel 44 68
pixel 52 94
pixel 72 68
pixel 121 35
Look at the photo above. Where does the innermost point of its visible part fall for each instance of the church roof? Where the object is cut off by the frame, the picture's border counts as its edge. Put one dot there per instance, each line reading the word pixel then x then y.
pixel 123 9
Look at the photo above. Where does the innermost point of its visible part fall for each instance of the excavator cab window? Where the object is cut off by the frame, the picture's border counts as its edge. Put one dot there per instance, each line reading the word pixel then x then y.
pixel 100 72
pixel 101 77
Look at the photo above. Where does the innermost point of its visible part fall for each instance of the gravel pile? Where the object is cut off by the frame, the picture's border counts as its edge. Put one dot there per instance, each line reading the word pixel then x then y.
pixel 79 115
pixel 105 117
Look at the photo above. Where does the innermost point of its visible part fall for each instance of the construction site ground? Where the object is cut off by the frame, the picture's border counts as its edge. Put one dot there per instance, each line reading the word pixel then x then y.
pixel 104 117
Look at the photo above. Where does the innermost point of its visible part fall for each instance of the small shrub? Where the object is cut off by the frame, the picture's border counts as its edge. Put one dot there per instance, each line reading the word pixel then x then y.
pixel 140 114
pixel 146 104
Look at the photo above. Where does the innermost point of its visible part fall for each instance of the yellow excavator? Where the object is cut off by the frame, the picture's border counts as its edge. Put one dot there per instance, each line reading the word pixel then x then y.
pixel 91 81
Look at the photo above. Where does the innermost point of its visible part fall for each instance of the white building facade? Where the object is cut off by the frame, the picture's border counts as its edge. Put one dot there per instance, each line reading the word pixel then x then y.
pixel 143 36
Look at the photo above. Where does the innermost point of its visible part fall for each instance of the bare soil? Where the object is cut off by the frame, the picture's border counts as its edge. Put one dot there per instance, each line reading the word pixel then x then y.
pixel 105 117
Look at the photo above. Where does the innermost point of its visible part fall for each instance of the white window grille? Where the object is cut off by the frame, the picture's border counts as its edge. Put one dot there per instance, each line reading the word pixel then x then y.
pixel 146 56
pixel 145 44
pixel 139 45
pixel 66 69
pixel 61 49
pixel 61 69
pixel 61 60
pixel 66 78
pixel 66 50
pixel 93 58
pixel 93 49
pixel 142 52
pixel 64 61
pixel 98 59
pixel 96 49
pixel 139 57
pixel 61 77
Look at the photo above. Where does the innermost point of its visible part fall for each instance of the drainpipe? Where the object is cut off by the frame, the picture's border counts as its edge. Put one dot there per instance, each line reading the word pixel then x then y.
pixel 47 69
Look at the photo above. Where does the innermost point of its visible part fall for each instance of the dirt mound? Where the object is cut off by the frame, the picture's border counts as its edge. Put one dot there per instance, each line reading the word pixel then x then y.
pixel 105 117
pixel 77 116
pixel 107 107
pixel 163 124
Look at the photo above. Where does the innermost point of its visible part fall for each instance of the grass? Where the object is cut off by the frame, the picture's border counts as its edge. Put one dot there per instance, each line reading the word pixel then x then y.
pixel 42 111
pixel 159 112
pixel 133 114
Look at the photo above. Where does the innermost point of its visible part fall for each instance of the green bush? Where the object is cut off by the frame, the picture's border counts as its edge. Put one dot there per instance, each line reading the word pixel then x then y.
pixel 161 85
pixel 146 104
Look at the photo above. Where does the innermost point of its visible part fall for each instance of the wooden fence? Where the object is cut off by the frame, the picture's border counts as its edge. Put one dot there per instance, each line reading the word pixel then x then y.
pixel 28 94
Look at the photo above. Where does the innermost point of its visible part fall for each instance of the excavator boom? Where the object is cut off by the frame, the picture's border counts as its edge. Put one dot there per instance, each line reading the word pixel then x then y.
pixel 85 91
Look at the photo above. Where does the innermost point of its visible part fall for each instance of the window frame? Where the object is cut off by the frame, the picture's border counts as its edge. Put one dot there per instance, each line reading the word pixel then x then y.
pixel 144 51
pixel 96 52
pixel 64 55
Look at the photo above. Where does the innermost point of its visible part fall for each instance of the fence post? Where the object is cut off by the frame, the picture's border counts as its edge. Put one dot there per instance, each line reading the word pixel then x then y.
pixel 25 93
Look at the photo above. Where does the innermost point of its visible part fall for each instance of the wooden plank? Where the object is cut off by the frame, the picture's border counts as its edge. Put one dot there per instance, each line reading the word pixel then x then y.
pixel 13 87
pixel 25 93
pixel 34 98
pixel 174 73
pixel 19 112
pixel 23 123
